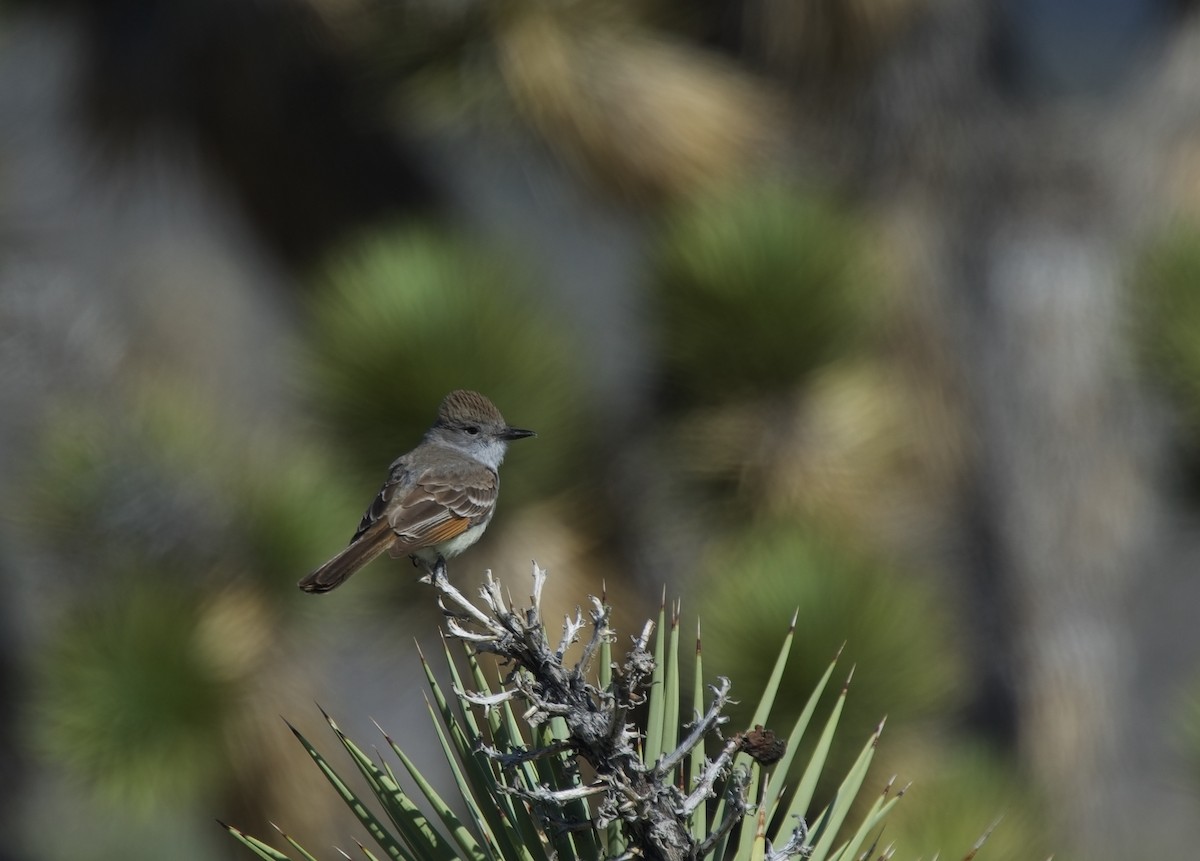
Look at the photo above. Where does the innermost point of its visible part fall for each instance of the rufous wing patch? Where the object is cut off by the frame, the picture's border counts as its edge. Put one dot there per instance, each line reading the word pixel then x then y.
pixel 428 534
pixel 446 530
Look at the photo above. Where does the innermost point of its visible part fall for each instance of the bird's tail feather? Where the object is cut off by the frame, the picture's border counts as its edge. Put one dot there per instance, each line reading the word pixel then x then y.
pixel 338 569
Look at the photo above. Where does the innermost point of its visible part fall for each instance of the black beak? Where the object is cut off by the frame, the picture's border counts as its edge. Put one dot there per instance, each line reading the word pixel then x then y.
pixel 516 433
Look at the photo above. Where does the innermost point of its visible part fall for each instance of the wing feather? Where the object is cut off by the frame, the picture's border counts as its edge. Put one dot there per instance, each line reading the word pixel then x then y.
pixel 437 509
pixel 433 507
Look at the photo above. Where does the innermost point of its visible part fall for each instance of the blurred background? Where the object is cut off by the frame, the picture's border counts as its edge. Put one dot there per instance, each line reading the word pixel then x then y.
pixel 886 310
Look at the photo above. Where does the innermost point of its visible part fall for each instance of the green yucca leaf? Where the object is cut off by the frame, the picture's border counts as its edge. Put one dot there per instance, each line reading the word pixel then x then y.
pixel 566 775
pixel 414 826
pixel 262 850
pixel 763 711
pixel 510 738
pixel 479 772
pixel 671 687
pixel 604 672
pixel 696 760
pixel 754 802
pixel 531 827
pixel 304 853
pixel 514 818
pixel 654 719
pixel 771 799
pixel 719 852
pixel 368 819
pixel 543 736
pixel 611 837
pixel 476 778
pixel 488 818
pixel 883 804
pixel 480 683
pixel 758 849
pixel 497 807
pixel 495 723
pixel 365 851
pixel 843 799
pixel 548 774
pixel 808 781
pixel 454 826
pixel 506 735
pixel 439 698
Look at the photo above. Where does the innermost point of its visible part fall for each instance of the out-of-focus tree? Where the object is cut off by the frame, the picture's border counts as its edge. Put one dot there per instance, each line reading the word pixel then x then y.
pixel 891 626
pixel 175 550
pixel 407 315
pixel 1021 147
pixel 755 289
pixel 272 95
pixel 1168 325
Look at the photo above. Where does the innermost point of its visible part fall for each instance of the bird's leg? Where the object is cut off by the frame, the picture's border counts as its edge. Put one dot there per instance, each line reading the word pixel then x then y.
pixel 434 571
pixel 426 568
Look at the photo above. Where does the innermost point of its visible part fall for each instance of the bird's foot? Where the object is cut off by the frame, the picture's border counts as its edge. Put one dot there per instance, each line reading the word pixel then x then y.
pixel 433 572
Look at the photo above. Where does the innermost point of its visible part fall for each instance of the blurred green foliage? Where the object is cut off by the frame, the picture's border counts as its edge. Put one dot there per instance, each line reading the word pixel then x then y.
pixel 132 697
pixel 130 485
pixel 755 288
pixel 1187 730
pixel 893 627
pixel 159 481
pixel 405 317
pixel 959 791
pixel 293 511
pixel 1168 281
pixel 175 540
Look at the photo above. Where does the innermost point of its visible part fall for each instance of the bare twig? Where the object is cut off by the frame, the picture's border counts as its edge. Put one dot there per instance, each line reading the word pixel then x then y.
pixel 571 629
pixel 708 777
pixel 711 720
pixel 544 795
pixel 797 844
pixel 735 809
pixel 517 757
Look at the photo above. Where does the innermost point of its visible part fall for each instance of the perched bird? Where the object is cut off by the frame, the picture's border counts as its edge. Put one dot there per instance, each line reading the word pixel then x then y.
pixel 437 499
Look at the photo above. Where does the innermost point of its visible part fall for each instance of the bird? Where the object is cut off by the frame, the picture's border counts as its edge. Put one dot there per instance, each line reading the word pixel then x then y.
pixel 437 499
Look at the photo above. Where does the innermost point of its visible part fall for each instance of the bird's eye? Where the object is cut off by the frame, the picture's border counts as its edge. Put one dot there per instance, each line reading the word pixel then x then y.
pixel 472 430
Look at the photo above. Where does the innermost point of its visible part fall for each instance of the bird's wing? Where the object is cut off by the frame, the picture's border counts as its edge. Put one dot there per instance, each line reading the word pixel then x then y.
pixel 434 506
pixel 442 505
pixel 398 478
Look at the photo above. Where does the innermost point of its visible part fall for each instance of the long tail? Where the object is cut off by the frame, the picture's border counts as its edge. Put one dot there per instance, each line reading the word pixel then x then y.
pixel 338 569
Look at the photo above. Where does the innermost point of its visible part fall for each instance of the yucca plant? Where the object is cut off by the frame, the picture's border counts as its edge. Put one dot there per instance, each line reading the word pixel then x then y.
pixel 575 773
